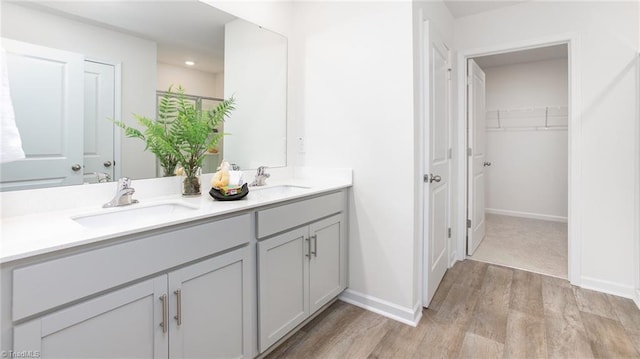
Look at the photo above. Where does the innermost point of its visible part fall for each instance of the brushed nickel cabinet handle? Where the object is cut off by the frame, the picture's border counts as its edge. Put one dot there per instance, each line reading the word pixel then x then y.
pixel 165 312
pixel 178 317
pixel 315 245
pixel 308 255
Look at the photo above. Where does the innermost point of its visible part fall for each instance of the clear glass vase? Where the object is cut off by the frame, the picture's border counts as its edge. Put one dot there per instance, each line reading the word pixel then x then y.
pixel 191 182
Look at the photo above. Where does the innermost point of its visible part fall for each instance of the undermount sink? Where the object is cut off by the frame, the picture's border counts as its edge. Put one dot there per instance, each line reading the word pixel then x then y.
pixel 278 189
pixel 123 215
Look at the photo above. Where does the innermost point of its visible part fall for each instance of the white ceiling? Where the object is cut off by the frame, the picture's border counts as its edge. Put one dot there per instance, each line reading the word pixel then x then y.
pixel 518 57
pixel 184 30
pixel 460 8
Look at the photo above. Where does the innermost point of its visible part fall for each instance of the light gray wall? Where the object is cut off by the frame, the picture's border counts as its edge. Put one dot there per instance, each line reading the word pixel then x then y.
pixel 351 98
pixel 354 93
pixel 195 82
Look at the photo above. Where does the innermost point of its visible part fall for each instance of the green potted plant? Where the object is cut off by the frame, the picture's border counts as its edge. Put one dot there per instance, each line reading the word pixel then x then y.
pixel 181 135
pixel 156 134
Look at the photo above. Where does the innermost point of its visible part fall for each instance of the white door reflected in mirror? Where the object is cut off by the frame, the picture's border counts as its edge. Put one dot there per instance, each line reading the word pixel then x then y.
pixel 46 87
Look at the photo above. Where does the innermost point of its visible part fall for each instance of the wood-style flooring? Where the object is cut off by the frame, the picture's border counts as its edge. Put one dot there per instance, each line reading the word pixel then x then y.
pixel 481 311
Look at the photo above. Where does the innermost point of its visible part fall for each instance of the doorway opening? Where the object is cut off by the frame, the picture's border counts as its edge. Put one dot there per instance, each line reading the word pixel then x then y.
pixel 518 141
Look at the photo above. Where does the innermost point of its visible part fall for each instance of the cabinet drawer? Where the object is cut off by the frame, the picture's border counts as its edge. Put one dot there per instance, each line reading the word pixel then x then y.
pixel 281 218
pixel 53 283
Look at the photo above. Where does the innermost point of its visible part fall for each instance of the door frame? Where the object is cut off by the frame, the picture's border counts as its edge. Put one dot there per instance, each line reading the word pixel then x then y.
pixel 637 175
pixel 574 141
pixel 117 112
pixel 475 193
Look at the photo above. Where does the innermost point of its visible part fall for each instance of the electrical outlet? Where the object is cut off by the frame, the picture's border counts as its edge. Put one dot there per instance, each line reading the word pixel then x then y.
pixel 300 145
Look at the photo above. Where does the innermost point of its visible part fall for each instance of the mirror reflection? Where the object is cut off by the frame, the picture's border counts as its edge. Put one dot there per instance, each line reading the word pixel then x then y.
pixel 86 62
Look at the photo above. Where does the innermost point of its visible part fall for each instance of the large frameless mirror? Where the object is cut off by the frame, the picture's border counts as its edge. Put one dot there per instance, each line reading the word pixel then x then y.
pixel 74 65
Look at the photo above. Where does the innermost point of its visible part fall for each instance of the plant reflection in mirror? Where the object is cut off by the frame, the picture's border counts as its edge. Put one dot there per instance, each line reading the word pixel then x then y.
pixel 181 135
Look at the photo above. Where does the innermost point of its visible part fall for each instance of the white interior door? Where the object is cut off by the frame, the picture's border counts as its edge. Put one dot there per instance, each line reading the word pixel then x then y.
pixel 99 107
pixel 47 95
pixel 437 180
pixel 476 224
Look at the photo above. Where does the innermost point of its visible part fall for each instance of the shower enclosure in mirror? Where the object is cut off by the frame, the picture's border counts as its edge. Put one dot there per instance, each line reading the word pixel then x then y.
pixel 214 155
pixel 113 57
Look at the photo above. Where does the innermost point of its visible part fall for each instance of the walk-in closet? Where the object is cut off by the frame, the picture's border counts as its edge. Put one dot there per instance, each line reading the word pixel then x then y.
pixel 526 160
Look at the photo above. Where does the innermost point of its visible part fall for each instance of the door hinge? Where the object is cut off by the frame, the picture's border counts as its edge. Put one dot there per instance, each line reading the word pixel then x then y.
pixel 450 153
pixel 449 232
pixel 468 223
pixel 469 151
pixel 449 73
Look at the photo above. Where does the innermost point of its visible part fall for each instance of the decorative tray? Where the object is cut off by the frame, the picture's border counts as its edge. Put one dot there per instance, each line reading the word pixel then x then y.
pixel 216 194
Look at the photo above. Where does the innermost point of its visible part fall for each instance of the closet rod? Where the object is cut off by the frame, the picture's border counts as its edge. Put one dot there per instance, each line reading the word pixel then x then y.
pixel 500 115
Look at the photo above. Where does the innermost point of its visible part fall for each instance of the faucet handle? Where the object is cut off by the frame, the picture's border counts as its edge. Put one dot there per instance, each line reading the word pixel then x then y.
pixel 261 170
pixel 124 183
pixel 104 177
pixel 101 177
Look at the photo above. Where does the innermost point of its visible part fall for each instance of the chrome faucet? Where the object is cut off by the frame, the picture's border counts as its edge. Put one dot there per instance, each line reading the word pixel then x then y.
pixel 102 177
pixel 124 191
pixel 261 177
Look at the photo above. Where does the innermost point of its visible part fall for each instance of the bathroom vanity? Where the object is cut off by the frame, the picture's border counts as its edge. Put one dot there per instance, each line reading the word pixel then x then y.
pixel 174 277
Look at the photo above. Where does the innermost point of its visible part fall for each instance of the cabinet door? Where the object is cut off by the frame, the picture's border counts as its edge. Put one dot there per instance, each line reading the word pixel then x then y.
pixel 327 269
pixel 210 308
pixel 124 323
pixel 283 270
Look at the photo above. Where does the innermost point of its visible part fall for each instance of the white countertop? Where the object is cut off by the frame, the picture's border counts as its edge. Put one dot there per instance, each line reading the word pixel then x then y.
pixel 34 222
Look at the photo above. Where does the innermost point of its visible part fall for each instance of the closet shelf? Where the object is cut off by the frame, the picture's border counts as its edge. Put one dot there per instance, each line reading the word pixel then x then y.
pixel 530 128
pixel 528 119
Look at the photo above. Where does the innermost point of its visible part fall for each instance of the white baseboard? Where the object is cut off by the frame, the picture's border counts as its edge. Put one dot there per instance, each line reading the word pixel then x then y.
pixel 637 298
pixel 390 310
pixel 604 286
pixel 544 217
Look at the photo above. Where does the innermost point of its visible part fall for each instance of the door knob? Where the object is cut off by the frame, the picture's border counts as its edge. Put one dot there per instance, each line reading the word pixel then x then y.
pixel 107 163
pixel 487 164
pixel 431 178
pixel 76 167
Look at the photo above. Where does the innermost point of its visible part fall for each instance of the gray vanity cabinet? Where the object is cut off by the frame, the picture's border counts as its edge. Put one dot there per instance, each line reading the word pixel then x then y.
pixel 301 269
pixel 181 293
pixel 199 311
